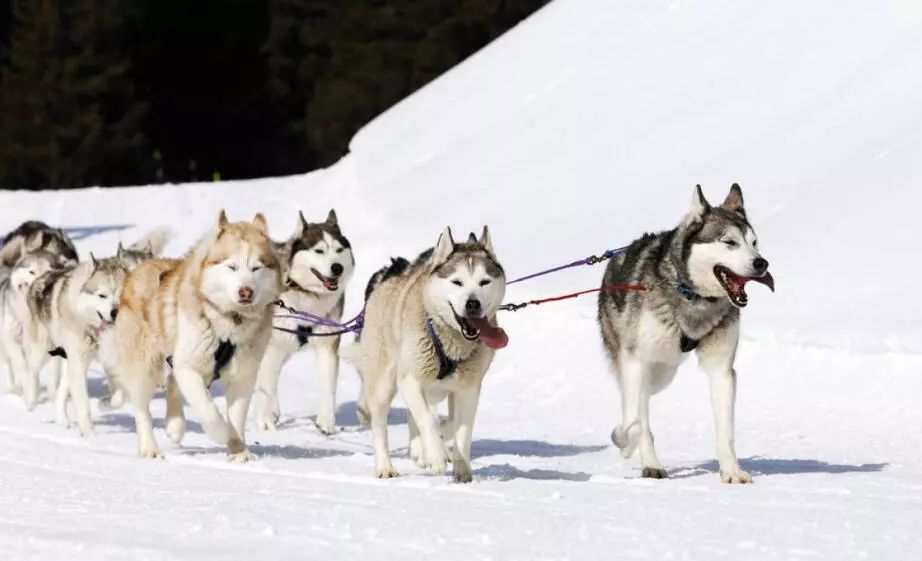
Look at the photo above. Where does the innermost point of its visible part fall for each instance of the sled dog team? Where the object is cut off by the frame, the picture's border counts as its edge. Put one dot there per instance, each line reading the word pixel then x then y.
pixel 429 333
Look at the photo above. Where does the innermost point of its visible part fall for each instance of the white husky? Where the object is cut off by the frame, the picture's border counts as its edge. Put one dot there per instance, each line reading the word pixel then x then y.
pixel 14 311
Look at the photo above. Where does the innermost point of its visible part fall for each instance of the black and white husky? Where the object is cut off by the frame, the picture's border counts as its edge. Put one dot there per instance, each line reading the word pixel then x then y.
pixel 695 277
pixel 318 263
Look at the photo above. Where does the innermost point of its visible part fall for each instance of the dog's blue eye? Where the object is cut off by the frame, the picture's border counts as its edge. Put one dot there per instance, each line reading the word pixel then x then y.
pixel 730 243
pixel 457 283
pixel 484 282
pixel 257 267
pixel 232 266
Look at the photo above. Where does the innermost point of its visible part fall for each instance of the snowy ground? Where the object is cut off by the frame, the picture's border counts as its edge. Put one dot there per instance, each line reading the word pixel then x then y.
pixel 586 125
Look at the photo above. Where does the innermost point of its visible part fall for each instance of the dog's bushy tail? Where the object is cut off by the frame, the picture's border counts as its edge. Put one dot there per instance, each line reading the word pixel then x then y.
pixel 155 241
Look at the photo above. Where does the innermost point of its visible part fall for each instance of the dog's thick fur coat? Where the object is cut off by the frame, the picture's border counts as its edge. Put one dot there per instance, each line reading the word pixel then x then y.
pixel 210 315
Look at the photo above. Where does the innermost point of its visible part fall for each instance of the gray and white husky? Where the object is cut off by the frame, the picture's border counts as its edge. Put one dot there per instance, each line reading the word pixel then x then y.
pixel 695 277
pixel 32 262
pixel 68 311
pixel 430 332
pixel 37 236
pixel 318 263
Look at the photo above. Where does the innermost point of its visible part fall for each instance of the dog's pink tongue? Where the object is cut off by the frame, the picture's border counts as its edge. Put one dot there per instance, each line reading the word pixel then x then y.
pixel 493 337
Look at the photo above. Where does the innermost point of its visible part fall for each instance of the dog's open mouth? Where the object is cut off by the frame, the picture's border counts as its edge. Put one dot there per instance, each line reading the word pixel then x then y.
pixel 479 328
pixel 103 322
pixel 329 283
pixel 735 285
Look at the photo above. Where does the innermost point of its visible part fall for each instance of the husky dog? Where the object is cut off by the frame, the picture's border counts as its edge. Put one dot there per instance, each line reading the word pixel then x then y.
pixel 430 331
pixel 14 309
pixel 39 236
pixel 208 315
pixel 69 310
pixel 317 263
pixel 695 277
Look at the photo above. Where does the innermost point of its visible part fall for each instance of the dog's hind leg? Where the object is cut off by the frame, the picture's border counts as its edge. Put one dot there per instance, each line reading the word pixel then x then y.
pixel 378 398
pixel 57 372
pixel 328 367
pixel 267 404
pixel 175 419
pixel 140 392
pixel 61 395
pixel 626 436
pixel 415 450
pixel 464 409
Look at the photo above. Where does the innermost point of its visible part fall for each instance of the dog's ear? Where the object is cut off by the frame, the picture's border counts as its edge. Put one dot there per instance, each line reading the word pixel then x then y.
pixel 331 218
pixel 222 220
pixel 34 243
pixel 302 225
pixel 700 205
pixel 472 238
pixel 485 240
pixel 93 261
pixel 120 252
pixel 260 222
pixel 444 247
pixel 734 201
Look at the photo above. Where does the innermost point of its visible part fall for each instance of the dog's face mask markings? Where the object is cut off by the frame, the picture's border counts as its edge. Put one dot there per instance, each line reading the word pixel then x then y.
pixel 321 259
pixel 30 267
pixel 97 303
pixel 466 288
pixel 724 253
pixel 240 271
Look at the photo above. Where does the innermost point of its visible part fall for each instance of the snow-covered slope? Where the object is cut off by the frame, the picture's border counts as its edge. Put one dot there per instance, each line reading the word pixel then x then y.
pixel 584 126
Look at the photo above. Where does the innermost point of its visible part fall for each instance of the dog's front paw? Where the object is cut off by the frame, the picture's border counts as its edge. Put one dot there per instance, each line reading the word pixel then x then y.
pixel 735 475
pixel 85 427
pixel 437 465
pixel 175 429
pixel 654 473
pixel 386 472
pixel 626 439
pixel 461 473
pixel 150 453
pixel 326 422
pixel 61 420
pixel 241 457
pixel 268 422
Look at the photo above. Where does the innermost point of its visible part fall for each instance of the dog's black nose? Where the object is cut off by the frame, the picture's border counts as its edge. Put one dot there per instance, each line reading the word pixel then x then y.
pixel 760 265
pixel 114 313
pixel 472 306
pixel 336 269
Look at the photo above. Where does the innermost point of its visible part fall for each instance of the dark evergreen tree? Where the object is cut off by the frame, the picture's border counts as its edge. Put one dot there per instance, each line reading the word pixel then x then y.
pixel 70 118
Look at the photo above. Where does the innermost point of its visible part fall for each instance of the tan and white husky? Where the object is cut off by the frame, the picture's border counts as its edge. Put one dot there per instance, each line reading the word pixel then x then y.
pixel 430 332
pixel 209 315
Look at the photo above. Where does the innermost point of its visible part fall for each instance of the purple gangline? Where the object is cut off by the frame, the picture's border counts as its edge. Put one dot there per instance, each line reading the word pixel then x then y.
pixel 547 272
pixel 322 320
